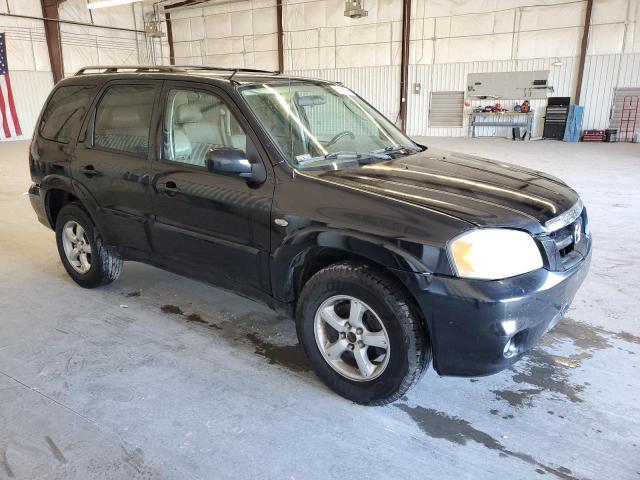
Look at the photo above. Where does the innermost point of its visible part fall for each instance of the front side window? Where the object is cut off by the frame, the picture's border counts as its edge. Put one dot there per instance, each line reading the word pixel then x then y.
pixel 123 119
pixel 323 126
pixel 64 113
pixel 196 122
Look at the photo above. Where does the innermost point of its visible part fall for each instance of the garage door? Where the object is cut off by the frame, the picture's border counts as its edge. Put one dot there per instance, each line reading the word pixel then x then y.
pixel 633 96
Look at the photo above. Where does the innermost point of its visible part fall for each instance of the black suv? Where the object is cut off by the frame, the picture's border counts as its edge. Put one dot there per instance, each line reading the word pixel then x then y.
pixel 299 193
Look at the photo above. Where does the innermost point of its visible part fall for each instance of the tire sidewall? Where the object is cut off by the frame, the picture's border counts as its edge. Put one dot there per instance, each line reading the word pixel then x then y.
pixel 93 277
pixel 402 343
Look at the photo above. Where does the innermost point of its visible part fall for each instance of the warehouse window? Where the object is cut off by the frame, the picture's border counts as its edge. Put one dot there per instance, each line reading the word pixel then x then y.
pixel 446 109
pixel 123 118
pixel 64 113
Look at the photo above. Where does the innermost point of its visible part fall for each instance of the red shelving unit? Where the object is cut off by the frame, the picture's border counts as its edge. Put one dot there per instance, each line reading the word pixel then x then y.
pixel 628 117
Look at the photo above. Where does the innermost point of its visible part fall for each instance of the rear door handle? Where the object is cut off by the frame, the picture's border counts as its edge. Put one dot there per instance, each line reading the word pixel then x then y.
pixel 170 188
pixel 89 171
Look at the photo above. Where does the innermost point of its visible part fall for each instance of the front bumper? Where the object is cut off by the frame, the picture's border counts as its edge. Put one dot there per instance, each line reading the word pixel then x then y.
pixel 471 322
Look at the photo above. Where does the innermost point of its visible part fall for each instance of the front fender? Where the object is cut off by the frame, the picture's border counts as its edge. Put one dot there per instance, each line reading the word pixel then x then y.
pixel 314 246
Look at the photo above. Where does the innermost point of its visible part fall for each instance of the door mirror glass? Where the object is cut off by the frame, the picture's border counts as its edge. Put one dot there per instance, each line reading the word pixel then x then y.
pixel 233 161
pixel 228 161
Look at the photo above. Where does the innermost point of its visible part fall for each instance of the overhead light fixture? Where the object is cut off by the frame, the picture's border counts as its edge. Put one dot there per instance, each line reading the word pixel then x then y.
pixel 354 9
pixel 109 3
pixel 557 63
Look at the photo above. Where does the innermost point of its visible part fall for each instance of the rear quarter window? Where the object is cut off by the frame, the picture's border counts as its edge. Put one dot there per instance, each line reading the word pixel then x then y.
pixel 64 113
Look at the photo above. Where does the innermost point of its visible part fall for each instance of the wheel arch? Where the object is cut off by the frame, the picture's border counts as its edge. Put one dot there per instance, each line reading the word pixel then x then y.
pixel 60 191
pixel 302 256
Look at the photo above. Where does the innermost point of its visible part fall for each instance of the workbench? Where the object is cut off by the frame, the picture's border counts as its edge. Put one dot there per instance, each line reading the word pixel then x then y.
pixel 502 119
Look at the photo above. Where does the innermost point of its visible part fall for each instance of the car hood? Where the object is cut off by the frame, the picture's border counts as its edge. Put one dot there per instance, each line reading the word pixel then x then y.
pixel 482 192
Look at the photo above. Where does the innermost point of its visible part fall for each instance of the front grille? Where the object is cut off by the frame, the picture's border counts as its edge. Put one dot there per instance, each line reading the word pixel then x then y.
pixel 561 249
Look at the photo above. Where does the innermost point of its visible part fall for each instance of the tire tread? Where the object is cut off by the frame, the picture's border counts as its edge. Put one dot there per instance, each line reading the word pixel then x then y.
pixel 406 314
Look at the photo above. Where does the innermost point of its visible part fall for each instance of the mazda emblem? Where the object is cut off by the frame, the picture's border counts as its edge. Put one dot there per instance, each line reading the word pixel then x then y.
pixel 577 232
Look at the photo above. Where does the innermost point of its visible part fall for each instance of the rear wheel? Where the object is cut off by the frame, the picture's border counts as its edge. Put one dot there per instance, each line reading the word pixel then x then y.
pixel 361 334
pixel 85 258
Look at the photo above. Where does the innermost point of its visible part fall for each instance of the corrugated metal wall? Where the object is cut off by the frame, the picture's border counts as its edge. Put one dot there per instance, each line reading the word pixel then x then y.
pixel 380 86
pixel 453 76
pixel 30 90
pixel 602 75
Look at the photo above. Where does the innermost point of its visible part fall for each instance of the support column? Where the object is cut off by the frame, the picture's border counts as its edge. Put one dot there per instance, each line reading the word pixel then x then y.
pixel 404 63
pixel 172 53
pixel 52 33
pixel 583 50
pixel 279 14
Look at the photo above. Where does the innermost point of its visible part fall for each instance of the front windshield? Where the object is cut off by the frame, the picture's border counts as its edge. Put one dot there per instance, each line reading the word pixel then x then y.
pixel 325 127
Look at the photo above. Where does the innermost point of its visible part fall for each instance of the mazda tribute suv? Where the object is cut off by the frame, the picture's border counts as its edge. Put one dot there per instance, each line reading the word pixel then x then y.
pixel 298 193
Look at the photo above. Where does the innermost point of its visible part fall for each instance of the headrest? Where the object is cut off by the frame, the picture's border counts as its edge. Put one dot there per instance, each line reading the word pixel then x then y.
pixel 188 113
pixel 124 117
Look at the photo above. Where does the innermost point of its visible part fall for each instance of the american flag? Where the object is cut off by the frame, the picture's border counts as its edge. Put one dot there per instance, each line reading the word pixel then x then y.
pixel 10 124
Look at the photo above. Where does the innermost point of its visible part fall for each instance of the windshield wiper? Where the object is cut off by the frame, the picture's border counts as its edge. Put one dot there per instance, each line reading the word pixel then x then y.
pixel 344 154
pixel 398 148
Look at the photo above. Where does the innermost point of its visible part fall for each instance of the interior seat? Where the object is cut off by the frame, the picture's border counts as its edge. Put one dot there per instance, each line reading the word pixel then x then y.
pixel 125 130
pixel 193 136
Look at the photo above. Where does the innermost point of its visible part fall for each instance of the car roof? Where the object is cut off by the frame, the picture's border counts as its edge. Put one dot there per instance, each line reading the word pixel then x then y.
pixel 236 76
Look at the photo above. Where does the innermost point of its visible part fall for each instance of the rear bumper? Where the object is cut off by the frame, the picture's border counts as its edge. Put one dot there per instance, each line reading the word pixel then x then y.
pixel 36 197
pixel 472 321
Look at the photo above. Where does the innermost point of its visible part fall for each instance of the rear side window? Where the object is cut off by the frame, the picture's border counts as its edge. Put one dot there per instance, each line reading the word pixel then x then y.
pixel 64 113
pixel 123 119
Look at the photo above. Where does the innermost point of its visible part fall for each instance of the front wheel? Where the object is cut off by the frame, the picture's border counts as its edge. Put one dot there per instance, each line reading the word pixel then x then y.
pixel 361 335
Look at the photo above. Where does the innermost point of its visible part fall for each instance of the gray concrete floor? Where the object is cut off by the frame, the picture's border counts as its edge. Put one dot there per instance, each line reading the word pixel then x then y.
pixel 111 384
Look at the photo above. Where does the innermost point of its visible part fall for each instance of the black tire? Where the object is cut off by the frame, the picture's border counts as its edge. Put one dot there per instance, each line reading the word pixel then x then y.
pixel 105 267
pixel 410 351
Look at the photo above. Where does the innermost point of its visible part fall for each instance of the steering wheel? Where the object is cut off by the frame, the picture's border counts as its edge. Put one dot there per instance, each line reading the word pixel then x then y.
pixel 339 136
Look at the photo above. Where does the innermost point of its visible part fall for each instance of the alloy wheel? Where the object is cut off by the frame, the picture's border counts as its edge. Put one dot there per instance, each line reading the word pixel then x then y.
pixel 76 246
pixel 352 338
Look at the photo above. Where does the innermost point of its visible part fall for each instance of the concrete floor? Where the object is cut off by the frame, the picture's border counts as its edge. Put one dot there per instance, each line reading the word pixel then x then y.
pixel 160 377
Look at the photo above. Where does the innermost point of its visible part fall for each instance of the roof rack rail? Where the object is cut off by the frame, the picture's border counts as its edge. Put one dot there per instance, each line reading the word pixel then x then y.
pixel 123 68
pixel 225 69
pixel 98 69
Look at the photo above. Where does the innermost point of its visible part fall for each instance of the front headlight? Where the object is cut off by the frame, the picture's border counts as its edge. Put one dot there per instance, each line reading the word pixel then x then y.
pixel 494 253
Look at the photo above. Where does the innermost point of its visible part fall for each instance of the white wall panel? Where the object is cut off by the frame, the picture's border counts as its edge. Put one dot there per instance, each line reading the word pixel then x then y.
pixel 31 8
pixel 453 77
pixel 241 34
pixel 26 44
pixel 82 46
pixel 370 41
pixel 28 59
pixel 30 90
pixel 603 74
pixel 378 85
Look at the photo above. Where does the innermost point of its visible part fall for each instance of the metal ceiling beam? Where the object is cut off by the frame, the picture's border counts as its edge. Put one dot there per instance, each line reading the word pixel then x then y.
pixel 583 50
pixel 185 3
pixel 71 22
pixel 191 3
pixel 52 34
pixel 404 62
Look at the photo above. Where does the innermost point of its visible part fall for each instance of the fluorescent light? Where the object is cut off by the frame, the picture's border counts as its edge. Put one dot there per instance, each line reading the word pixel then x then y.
pixel 110 3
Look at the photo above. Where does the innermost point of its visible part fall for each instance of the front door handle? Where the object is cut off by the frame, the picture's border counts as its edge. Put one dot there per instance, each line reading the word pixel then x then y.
pixel 170 188
pixel 89 171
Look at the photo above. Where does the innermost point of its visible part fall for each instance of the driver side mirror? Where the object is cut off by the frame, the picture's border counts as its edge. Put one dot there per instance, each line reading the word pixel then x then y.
pixel 235 162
